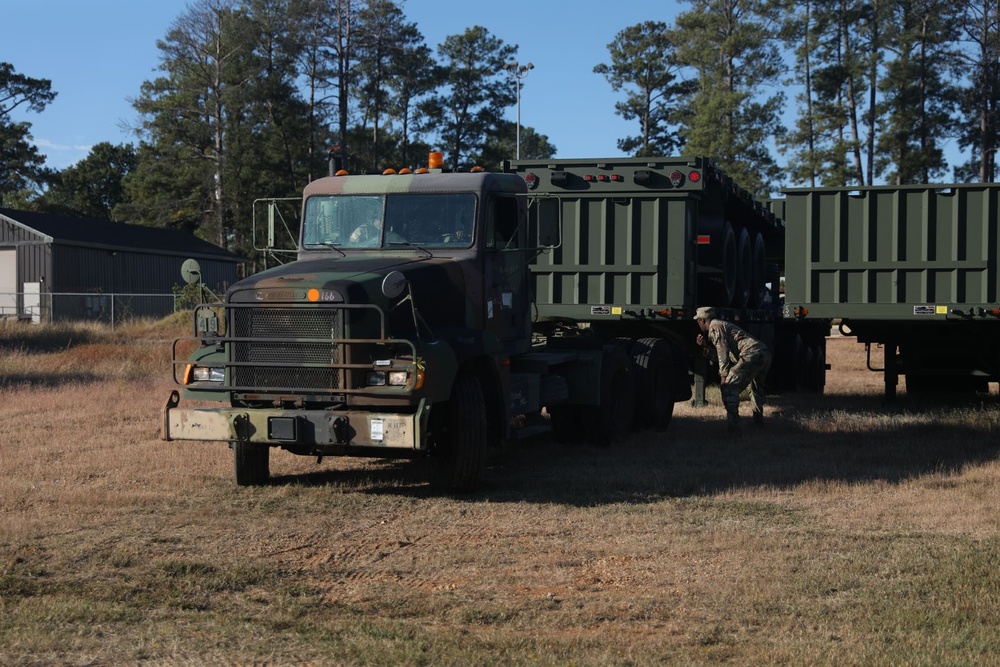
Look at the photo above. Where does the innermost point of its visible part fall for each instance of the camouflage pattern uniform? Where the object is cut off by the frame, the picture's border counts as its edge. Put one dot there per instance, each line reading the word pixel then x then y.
pixel 743 361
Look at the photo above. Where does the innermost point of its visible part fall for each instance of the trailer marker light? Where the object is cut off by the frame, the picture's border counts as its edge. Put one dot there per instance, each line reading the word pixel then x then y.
pixel 588 178
pixel 704 239
pixel 617 178
pixel 531 180
pixel 676 179
pixel 389 172
pixel 602 178
pixel 800 311
pixel 694 176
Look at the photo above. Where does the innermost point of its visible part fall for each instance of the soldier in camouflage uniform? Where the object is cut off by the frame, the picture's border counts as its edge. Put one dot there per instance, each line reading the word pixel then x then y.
pixel 743 361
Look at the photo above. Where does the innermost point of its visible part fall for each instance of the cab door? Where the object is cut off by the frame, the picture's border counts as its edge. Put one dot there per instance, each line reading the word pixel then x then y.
pixel 505 276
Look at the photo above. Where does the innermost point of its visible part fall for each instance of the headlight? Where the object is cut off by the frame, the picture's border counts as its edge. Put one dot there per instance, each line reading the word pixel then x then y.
pixel 208 374
pixel 391 378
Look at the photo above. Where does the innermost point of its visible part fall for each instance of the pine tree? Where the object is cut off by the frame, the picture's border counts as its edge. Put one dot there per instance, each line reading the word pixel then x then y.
pixel 95 186
pixel 918 96
pixel 222 126
pixel 979 129
pixel 834 46
pixel 642 62
pixel 22 168
pixel 475 94
pixel 731 113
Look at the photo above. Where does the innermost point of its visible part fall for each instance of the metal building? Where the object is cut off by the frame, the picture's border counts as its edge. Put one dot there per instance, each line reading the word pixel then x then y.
pixel 57 268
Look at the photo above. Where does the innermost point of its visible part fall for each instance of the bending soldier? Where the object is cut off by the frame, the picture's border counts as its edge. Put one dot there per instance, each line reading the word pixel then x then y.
pixel 743 361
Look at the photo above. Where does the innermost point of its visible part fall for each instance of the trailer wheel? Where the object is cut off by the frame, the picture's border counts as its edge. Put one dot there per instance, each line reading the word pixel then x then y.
pixel 460 456
pixel 730 262
pixel 654 363
pixel 758 283
pixel 804 368
pixel 816 371
pixel 250 462
pixel 617 408
pixel 787 365
pixel 719 285
pixel 744 269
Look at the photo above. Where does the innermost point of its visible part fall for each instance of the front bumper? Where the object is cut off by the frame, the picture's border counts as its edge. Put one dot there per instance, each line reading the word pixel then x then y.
pixel 302 428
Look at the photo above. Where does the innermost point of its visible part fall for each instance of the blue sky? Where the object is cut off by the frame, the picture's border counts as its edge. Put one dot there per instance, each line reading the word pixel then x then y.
pixel 97 53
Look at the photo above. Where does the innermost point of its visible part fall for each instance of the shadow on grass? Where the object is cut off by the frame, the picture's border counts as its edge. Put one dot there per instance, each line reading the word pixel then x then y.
pixel 849 439
pixel 34 339
pixel 47 380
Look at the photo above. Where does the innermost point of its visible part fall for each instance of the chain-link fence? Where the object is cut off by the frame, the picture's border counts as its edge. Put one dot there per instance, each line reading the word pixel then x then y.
pixel 106 307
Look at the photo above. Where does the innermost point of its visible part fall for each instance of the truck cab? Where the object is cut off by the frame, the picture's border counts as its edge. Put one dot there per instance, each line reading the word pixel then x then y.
pixel 391 335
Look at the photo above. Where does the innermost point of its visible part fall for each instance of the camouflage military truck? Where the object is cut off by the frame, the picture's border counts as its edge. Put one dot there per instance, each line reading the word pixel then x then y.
pixel 402 330
pixel 438 314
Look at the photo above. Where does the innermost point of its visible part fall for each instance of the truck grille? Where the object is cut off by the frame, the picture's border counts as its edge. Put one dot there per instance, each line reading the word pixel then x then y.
pixel 298 339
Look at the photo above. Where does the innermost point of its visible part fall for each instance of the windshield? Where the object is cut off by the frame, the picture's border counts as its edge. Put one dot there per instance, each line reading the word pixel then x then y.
pixel 386 221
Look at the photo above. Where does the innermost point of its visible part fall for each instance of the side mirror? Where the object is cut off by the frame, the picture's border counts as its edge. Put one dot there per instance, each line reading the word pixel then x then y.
pixel 393 284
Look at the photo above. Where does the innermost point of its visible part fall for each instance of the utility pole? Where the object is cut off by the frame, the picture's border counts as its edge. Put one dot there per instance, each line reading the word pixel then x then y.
pixel 517 72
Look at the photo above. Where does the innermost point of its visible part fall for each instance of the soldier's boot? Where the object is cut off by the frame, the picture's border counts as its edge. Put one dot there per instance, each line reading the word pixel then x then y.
pixel 734 424
pixel 758 419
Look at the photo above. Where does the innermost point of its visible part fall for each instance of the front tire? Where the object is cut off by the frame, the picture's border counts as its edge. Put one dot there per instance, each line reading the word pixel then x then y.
pixel 251 463
pixel 459 457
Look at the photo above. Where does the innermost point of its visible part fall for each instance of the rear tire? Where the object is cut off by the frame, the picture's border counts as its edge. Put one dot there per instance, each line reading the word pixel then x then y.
pixel 655 383
pixel 617 408
pixel 251 463
pixel 459 457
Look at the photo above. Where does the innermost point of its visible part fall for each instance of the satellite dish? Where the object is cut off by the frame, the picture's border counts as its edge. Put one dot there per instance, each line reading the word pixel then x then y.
pixel 393 284
pixel 191 271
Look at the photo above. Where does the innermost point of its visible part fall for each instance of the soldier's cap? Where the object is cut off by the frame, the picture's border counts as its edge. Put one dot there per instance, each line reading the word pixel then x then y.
pixel 705 313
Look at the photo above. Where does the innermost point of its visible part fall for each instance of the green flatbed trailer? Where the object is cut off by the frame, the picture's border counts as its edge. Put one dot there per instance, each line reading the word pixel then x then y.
pixel 911 269
pixel 645 241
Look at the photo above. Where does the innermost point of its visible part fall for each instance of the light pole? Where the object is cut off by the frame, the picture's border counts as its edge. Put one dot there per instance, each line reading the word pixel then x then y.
pixel 518 72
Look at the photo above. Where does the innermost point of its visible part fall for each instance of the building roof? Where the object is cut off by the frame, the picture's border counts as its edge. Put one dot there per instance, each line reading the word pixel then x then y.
pixel 101 233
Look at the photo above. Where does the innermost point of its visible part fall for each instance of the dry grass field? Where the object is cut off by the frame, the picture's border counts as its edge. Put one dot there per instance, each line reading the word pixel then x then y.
pixel 844 533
